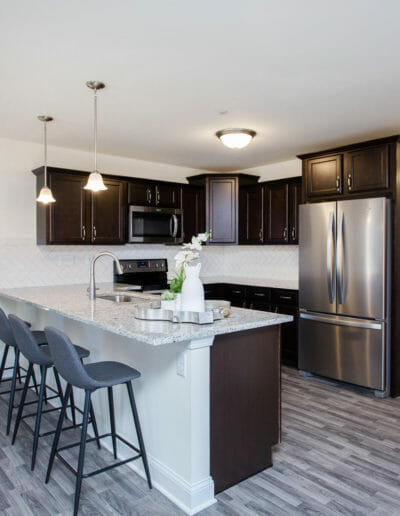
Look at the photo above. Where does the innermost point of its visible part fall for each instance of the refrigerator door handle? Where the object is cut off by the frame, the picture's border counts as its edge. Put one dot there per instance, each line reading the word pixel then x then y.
pixel 340 260
pixel 330 256
pixel 342 322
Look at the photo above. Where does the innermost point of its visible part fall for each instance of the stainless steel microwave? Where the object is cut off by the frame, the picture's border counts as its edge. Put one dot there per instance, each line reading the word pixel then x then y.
pixel 155 225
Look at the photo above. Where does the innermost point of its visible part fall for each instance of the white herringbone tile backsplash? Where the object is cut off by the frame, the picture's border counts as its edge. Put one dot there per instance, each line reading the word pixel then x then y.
pixel 23 263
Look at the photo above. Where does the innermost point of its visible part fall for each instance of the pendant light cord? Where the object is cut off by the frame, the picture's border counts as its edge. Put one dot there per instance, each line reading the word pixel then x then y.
pixel 45 153
pixel 95 130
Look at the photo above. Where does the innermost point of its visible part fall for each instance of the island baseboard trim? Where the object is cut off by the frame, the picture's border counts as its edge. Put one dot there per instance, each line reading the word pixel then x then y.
pixel 190 498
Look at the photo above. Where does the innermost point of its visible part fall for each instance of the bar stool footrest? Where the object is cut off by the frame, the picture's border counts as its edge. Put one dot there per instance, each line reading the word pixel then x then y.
pixel 100 470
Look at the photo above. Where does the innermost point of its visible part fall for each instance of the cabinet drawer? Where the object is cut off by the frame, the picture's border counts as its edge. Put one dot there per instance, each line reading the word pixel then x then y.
pixel 259 294
pixel 235 291
pixel 285 297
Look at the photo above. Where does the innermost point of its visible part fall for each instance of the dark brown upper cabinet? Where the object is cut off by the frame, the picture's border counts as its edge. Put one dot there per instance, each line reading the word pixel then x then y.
pixel 165 195
pixel 277 212
pixel 251 215
pixel 108 214
pixel 294 201
pixel 222 207
pixel 324 176
pixel 367 169
pixel 65 221
pixel 193 205
pixel 222 204
pixel 79 216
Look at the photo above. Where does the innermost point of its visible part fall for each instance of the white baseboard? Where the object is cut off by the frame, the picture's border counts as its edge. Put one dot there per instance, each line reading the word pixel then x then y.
pixel 190 498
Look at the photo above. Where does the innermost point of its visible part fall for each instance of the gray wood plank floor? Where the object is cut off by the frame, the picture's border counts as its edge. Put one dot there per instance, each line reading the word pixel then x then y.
pixel 340 454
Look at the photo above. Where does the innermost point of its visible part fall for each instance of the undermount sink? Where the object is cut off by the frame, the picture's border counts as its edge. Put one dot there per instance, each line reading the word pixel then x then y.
pixel 117 298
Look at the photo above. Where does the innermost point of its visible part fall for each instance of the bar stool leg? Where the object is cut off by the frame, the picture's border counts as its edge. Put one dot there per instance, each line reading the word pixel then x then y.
pixel 35 382
pixel 3 361
pixel 81 453
pixel 58 431
pixel 112 420
pixel 12 393
pixel 38 415
pixel 22 401
pixel 73 412
pixel 94 424
pixel 139 432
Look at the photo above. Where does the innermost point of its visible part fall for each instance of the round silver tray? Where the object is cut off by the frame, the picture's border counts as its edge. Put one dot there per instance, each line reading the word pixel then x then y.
pixel 215 310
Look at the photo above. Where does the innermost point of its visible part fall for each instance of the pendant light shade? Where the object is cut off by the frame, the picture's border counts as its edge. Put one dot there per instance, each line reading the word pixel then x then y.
pixel 95 181
pixel 45 194
pixel 235 138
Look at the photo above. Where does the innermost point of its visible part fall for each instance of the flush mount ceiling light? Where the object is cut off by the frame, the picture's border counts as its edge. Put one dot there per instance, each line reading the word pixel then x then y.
pixel 235 138
pixel 95 181
pixel 45 195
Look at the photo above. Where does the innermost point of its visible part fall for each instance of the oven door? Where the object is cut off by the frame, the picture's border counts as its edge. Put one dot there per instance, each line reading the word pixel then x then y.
pixel 155 225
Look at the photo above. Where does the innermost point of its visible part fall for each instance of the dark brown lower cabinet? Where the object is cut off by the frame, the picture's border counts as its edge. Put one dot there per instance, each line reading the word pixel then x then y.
pixel 266 299
pixel 244 404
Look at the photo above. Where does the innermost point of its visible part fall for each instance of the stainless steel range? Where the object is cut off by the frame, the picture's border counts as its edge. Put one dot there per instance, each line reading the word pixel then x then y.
pixel 148 275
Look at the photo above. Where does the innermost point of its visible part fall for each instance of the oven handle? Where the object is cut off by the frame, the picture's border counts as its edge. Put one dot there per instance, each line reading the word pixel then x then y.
pixel 175 231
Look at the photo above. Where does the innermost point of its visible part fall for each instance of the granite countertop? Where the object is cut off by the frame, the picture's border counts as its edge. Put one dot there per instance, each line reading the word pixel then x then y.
pixel 72 301
pixel 291 284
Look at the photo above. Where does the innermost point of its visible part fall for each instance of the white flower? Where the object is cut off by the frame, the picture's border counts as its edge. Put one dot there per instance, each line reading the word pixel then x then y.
pixel 202 237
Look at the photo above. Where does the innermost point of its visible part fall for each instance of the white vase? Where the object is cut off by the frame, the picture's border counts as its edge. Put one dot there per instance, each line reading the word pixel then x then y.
pixel 192 290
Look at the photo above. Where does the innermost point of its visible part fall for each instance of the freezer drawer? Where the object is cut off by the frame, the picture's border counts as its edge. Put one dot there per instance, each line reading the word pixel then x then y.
pixel 347 349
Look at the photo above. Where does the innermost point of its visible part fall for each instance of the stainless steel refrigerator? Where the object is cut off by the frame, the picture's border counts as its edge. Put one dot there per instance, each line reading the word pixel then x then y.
pixel 344 294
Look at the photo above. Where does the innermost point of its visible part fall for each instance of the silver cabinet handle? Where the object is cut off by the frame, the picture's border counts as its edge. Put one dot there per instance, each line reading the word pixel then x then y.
pixel 149 196
pixel 285 297
pixel 330 255
pixel 338 183
pixel 236 291
pixel 83 233
pixel 260 235
pixel 173 197
pixel 340 259
pixel 157 196
pixel 175 231
pixel 285 233
pixel 259 294
pixel 293 233
pixel 94 233
pixel 350 181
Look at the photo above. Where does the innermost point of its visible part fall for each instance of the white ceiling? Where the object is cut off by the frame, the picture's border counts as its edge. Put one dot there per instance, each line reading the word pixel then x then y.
pixel 305 74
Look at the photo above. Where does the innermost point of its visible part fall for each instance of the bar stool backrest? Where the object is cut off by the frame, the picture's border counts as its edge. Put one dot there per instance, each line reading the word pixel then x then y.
pixel 6 334
pixel 67 361
pixel 26 342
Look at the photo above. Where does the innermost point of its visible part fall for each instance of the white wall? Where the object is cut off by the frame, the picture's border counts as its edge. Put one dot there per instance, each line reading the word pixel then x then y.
pixel 23 263
pixel 273 171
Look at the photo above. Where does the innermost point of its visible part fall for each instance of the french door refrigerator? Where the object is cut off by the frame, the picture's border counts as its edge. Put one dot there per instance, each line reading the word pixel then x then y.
pixel 343 291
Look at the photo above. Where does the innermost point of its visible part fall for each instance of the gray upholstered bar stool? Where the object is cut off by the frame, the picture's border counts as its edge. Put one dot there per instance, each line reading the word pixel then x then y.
pixel 39 356
pixel 7 337
pixel 91 377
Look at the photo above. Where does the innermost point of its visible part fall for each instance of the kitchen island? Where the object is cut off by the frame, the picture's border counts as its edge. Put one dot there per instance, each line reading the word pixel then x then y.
pixel 208 397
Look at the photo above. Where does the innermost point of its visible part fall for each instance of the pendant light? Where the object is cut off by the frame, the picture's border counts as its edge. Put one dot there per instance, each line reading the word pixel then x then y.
pixel 95 181
pixel 45 195
pixel 235 138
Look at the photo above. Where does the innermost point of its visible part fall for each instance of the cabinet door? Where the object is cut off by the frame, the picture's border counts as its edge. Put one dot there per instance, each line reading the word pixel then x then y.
pixel 222 213
pixel 141 194
pixel 324 176
pixel 193 211
pixel 367 170
pixel 168 196
pixel 294 201
pixel 251 215
pixel 68 215
pixel 108 214
pixel 277 213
